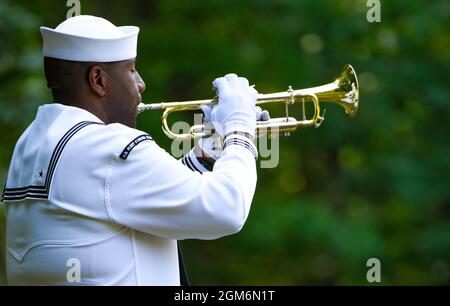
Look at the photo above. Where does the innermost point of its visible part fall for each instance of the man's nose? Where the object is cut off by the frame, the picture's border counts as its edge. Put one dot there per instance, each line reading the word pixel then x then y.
pixel 140 82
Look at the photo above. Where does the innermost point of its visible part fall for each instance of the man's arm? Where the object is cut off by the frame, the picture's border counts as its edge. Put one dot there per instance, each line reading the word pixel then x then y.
pixel 152 192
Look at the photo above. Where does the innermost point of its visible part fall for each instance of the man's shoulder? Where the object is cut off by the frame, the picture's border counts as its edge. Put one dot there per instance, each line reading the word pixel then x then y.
pixel 114 138
pixel 123 130
pixel 119 133
pixel 130 138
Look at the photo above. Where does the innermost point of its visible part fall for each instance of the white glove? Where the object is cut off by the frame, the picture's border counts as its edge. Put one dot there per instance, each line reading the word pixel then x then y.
pixel 260 115
pixel 212 146
pixel 235 111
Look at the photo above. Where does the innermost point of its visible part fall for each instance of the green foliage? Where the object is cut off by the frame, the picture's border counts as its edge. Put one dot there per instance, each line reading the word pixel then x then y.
pixel 375 186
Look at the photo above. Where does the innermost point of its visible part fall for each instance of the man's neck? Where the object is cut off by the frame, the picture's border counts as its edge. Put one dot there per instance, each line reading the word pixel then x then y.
pixel 88 106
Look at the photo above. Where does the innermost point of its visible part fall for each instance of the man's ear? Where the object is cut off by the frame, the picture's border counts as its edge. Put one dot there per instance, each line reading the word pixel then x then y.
pixel 98 80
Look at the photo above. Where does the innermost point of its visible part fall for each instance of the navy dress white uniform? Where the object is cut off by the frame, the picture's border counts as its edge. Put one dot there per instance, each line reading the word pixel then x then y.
pixel 110 198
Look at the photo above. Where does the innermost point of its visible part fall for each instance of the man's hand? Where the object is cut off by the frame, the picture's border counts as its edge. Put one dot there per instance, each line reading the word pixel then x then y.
pixel 260 115
pixel 235 110
pixel 210 148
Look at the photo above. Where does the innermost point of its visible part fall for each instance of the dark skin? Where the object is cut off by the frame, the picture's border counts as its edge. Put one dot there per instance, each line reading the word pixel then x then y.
pixel 110 91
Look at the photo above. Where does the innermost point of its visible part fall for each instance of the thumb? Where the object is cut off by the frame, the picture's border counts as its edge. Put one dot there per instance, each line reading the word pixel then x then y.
pixel 254 92
pixel 206 109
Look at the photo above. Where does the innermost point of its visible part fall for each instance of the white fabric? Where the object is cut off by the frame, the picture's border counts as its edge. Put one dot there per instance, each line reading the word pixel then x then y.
pixel 235 111
pixel 261 115
pixel 190 160
pixel 90 39
pixel 241 140
pixel 212 146
pixel 120 218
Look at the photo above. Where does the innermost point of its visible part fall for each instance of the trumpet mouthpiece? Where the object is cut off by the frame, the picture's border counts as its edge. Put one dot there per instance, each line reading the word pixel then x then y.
pixel 145 107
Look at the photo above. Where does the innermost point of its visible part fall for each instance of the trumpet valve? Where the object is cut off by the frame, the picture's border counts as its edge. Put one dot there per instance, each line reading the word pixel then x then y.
pixel 291 99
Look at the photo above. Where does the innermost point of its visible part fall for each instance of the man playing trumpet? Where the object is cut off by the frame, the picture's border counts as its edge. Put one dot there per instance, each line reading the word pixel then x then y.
pixel 86 186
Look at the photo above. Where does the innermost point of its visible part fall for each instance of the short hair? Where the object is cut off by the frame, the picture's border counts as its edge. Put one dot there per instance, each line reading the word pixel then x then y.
pixel 64 76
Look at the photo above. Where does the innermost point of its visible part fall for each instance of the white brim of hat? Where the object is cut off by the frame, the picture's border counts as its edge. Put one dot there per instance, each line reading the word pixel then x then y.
pixel 86 49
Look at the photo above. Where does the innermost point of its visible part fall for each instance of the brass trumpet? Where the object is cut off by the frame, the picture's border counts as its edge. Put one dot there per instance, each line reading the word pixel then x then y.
pixel 344 91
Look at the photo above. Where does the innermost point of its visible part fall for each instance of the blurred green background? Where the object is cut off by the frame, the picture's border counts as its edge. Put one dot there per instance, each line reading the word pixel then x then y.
pixel 374 186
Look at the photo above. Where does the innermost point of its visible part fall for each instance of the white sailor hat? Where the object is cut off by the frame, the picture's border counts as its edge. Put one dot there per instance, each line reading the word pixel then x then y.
pixel 90 39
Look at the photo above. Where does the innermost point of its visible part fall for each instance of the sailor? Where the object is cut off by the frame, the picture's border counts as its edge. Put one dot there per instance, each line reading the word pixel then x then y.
pixel 90 199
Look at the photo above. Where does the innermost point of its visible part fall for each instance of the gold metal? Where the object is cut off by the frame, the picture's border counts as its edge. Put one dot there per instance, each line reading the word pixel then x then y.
pixel 344 91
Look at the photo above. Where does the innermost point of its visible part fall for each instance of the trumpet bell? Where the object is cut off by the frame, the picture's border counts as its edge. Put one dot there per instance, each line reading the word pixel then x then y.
pixel 344 91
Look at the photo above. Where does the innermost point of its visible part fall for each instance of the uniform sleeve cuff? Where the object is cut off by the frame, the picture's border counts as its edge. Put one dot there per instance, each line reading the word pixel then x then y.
pixel 240 140
pixel 195 163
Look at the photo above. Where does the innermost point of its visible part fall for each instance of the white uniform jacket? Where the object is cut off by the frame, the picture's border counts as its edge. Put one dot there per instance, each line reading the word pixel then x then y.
pixel 95 204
